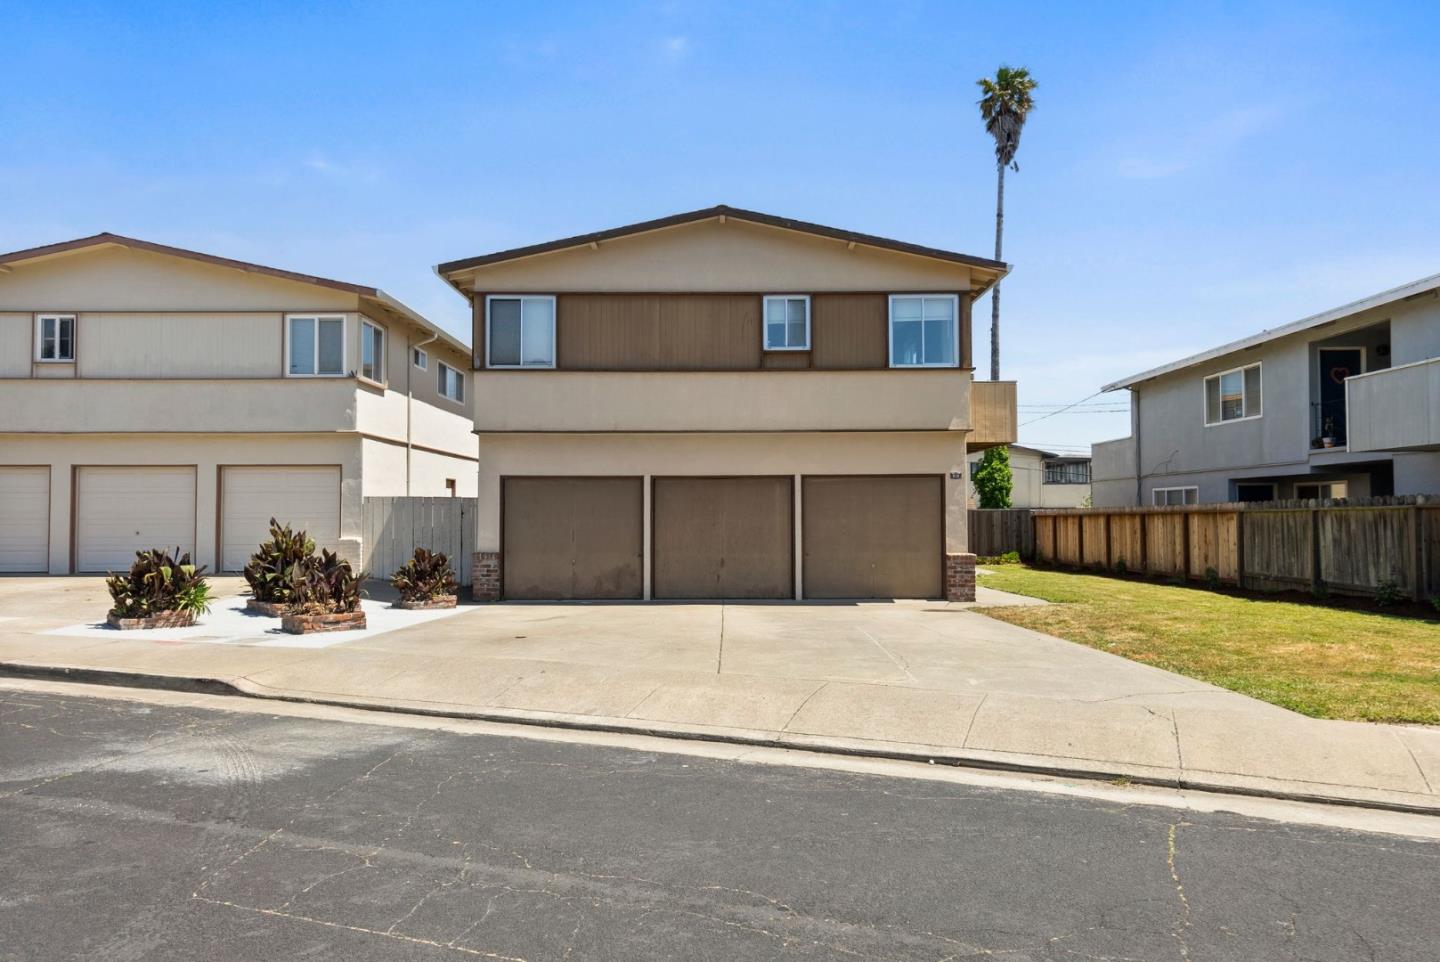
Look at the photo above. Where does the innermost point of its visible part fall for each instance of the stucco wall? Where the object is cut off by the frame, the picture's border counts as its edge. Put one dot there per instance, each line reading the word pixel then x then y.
pixel 722 455
pixel 206 453
pixel 734 256
pixel 15 344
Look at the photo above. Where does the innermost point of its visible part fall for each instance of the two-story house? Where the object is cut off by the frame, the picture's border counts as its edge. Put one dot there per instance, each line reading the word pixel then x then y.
pixel 1345 403
pixel 1041 479
pixel 726 404
pixel 154 397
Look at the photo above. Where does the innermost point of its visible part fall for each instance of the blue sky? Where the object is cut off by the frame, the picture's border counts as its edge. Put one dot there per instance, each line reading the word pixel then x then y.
pixel 1191 174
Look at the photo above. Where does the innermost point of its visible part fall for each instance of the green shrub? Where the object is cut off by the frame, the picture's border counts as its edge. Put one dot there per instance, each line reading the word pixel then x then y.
pixel 159 581
pixel 1389 594
pixel 1212 579
pixel 1121 568
pixel 427 576
pixel 274 567
pixel 992 479
pixel 1008 558
pixel 324 585
pixel 1435 603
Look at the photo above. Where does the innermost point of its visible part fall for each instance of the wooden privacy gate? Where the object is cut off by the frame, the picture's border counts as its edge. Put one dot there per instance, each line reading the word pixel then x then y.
pixel 994 531
pixel 392 528
pixel 1356 546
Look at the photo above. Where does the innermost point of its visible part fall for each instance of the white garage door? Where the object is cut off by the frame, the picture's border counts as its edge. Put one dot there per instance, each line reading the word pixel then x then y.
pixel 306 497
pixel 122 510
pixel 24 519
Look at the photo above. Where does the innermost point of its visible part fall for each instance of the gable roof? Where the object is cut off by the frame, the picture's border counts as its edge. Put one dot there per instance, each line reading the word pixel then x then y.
pixel 1405 291
pixel 107 239
pixel 999 268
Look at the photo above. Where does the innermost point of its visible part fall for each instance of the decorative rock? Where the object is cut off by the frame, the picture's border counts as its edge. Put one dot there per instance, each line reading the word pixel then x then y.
pixel 161 619
pixel 426 604
pixel 305 624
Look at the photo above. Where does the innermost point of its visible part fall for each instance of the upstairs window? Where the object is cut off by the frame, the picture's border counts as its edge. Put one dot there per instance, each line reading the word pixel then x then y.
pixel 452 383
pixel 372 351
pixel 1233 395
pixel 520 331
pixel 787 322
pixel 315 345
pixel 924 330
pixel 421 359
pixel 1067 472
pixel 55 337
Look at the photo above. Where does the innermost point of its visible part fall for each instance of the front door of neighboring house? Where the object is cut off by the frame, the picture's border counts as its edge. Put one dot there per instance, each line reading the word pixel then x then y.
pixel 1336 364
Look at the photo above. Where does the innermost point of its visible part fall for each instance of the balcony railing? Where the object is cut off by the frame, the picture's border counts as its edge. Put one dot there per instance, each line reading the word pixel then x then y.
pixel 1396 409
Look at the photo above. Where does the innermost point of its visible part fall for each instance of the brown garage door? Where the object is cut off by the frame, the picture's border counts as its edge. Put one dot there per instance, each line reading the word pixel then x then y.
pixel 724 538
pixel 572 538
pixel 873 537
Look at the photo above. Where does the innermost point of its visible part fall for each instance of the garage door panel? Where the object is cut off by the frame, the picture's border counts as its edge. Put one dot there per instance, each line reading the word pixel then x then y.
pixel 724 537
pixel 572 538
pixel 873 537
pixel 304 496
pixel 24 519
pixel 122 510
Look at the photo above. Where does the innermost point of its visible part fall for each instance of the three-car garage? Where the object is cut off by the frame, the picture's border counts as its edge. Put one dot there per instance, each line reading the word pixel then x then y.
pixel 859 536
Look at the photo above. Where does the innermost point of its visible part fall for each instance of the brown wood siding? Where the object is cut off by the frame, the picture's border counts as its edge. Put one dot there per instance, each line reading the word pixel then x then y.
pixel 572 538
pixel 658 332
pixel 724 537
pixel 873 537
pixel 849 331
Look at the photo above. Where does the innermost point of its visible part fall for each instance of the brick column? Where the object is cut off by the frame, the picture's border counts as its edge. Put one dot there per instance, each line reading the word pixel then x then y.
pixel 485 576
pixel 959 577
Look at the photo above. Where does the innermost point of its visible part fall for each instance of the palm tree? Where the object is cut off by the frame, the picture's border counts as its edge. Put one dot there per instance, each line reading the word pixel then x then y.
pixel 1006 104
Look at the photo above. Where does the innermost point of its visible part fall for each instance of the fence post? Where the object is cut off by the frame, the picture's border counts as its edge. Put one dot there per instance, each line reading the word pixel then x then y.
pixel 1417 528
pixel 1185 517
pixel 1240 547
pixel 1317 583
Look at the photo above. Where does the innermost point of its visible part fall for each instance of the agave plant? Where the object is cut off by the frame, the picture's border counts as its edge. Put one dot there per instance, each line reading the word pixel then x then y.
pixel 324 585
pixel 159 581
pixel 272 570
pixel 425 577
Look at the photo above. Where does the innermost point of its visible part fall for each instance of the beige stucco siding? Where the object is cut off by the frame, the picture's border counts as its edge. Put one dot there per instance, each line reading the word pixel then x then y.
pixel 16 340
pixel 734 256
pixel 123 279
pixel 180 345
pixel 206 453
pixel 721 455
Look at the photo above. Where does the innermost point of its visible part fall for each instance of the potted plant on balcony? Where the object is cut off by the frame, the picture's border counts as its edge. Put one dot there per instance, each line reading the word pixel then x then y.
pixel 426 581
pixel 273 568
pixel 325 593
pixel 1327 433
pixel 162 590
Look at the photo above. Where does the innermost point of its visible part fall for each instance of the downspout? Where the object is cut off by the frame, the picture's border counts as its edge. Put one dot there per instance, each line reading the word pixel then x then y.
pixel 410 398
pixel 1135 430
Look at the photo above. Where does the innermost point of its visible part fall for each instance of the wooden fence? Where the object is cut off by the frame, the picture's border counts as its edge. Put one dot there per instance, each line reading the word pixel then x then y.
pixel 994 531
pixel 1351 546
pixel 392 528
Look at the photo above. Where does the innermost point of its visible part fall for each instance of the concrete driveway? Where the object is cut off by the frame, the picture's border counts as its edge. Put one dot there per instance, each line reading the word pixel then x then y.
pixel 903 678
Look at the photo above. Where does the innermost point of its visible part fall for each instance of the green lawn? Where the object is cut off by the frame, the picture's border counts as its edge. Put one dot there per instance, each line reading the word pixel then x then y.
pixel 1320 661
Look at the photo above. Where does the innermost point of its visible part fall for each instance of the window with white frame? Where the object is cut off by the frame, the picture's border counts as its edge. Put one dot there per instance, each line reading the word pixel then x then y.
pixel 520 331
pixel 1165 496
pixel 452 382
pixel 787 322
pixel 315 345
pixel 55 337
pixel 924 330
pixel 1321 491
pixel 372 351
pixel 1233 395
pixel 421 359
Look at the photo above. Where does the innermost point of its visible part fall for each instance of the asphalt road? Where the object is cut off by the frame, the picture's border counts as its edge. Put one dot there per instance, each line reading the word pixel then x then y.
pixel 133 831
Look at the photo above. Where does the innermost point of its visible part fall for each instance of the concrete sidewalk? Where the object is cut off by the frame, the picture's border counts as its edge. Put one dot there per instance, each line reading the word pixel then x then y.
pixel 907 680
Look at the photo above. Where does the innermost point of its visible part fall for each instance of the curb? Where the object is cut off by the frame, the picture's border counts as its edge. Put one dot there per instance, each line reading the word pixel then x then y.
pixel 215 686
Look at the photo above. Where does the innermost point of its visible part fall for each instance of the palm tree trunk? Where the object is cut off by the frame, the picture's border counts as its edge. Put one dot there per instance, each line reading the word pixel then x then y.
pixel 995 291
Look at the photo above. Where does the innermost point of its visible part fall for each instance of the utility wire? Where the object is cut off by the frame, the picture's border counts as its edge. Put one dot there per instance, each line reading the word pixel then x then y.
pixel 1062 410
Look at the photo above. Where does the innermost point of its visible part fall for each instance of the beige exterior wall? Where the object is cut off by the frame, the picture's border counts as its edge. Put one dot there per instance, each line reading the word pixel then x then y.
pixel 734 256
pixel 929 400
pixel 386 471
pixel 207 454
pixel 938 453
pixel 191 345
pixel 124 279
pixel 16 343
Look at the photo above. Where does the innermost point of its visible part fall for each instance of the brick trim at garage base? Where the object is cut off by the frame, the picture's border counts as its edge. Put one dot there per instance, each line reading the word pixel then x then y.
pixel 959 577
pixel 485 576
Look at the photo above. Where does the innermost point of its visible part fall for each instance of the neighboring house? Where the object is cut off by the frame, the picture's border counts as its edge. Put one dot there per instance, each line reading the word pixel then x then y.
pixel 724 403
pixel 155 397
pixel 1342 404
pixel 1041 479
